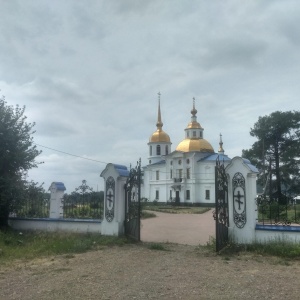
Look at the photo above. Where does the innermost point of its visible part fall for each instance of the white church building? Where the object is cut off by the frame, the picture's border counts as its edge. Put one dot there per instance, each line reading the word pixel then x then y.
pixel 186 175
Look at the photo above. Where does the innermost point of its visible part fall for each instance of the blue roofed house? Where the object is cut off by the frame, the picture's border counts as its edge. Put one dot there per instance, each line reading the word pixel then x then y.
pixel 186 175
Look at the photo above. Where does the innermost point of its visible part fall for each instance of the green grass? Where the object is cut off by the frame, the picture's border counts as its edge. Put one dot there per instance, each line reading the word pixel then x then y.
pixel 282 249
pixel 279 248
pixel 28 245
pixel 147 215
pixel 157 246
pixel 176 209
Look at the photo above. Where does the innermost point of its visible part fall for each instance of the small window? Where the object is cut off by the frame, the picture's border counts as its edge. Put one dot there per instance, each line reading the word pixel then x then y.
pixel 180 173
pixel 167 149
pixel 156 195
pixel 157 175
pixel 170 194
pixel 188 175
pixel 188 161
pixel 171 174
pixel 188 196
pixel 158 150
pixel 150 162
pixel 150 150
pixel 194 133
pixel 171 162
pixel 179 162
pixel 201 134
pixel 188 134
pixel 207 194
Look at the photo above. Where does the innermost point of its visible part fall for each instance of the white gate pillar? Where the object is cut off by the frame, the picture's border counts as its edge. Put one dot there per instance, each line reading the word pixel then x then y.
pixel 115 177
pixel 57 190
pixel 241 200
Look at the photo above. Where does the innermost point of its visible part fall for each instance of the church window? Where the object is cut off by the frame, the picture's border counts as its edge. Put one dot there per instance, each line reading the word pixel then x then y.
pixel 207 194
pixel 180 173
pixel 179 162
pixel 170 195
pixel 158 150
pixel 167 150
pixel 150 162
pixel 188 161
pixel 157 175
pixel 194 133
pixel 188 196
pixel 150 150
pixel 188 134
pixel 171 174
pixel 171 162
pixel 156 195
pixel 188 173
pixel 201 134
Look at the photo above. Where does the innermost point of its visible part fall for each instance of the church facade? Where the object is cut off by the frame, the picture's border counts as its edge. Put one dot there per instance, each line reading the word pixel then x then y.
pixel 186 175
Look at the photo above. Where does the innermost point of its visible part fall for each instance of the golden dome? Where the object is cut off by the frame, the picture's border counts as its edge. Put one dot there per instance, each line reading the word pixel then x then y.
pixel 194 124
pixel 199 145
pixel 159 136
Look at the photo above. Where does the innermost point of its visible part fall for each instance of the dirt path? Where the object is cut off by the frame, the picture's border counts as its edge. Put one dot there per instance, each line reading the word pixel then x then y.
pixel 189 229
pixel 137 272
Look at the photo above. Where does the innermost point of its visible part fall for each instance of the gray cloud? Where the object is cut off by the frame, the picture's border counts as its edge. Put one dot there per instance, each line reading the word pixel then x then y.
pixel 89 73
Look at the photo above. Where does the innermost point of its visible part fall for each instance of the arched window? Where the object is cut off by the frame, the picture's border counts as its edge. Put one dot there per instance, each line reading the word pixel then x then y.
pixel 167 149
pixel 150 150
pixel 158 150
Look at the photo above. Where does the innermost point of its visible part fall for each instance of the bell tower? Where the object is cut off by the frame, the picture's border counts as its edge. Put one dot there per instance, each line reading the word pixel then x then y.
pixel 159 142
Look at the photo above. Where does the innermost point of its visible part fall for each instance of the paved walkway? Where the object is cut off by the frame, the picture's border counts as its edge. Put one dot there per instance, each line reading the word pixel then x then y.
pixel 189 229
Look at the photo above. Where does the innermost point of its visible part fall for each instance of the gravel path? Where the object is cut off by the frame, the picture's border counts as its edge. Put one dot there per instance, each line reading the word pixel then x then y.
pixel 189 229
pixel 137 272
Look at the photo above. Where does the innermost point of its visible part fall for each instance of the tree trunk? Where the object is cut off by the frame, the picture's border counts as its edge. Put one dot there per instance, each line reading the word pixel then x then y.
pixel 4 213
pixel 278 179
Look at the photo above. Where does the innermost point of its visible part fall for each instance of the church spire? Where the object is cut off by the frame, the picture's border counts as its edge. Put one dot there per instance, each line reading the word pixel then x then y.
pixel 221 150
pixel 159 123
pixel 194 110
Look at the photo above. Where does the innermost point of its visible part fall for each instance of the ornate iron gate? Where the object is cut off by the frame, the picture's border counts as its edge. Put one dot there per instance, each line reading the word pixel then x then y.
pixel 221 211
pixel 133 203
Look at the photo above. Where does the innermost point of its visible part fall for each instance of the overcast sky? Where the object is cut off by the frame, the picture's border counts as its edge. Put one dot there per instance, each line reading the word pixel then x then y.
pixel 89 72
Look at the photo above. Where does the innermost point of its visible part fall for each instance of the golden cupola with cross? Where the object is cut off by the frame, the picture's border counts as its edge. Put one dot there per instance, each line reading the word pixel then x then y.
pixel 159 142
pixel 194 141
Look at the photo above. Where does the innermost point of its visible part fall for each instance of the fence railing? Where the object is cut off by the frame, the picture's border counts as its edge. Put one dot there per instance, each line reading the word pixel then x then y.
pixel 32 207
pixel 271 212
pixel 83 206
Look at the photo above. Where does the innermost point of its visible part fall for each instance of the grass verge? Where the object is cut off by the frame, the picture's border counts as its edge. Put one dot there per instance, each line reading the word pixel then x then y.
pixel 157 246
pixel 176 209
pixel 278 248
pixel 28 245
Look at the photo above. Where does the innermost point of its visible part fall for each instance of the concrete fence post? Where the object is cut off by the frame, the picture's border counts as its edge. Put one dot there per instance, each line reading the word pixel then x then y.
pixel 57 190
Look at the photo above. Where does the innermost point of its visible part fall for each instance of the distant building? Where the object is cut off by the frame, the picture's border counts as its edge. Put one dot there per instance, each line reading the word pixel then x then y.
pixel 186 175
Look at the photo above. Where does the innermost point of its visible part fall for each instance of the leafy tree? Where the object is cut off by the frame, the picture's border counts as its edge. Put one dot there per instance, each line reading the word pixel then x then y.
pixel 277 150
pixel 17 156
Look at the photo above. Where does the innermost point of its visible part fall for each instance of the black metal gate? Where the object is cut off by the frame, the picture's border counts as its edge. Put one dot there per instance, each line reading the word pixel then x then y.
pixel 133 203
pixel 221 211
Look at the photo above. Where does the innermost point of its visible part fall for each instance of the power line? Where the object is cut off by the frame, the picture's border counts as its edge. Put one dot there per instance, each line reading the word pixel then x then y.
pixel 102 162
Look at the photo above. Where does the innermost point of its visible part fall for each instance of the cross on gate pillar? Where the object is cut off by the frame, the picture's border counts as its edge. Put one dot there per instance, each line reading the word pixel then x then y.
pixel 114 199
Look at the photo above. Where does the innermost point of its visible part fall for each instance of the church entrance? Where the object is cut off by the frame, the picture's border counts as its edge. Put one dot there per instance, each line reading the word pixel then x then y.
pixel 177 197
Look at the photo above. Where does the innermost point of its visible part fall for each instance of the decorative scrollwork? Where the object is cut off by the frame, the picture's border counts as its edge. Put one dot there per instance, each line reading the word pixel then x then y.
pixel 239 200
pixel 132 200
pixel 221 214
